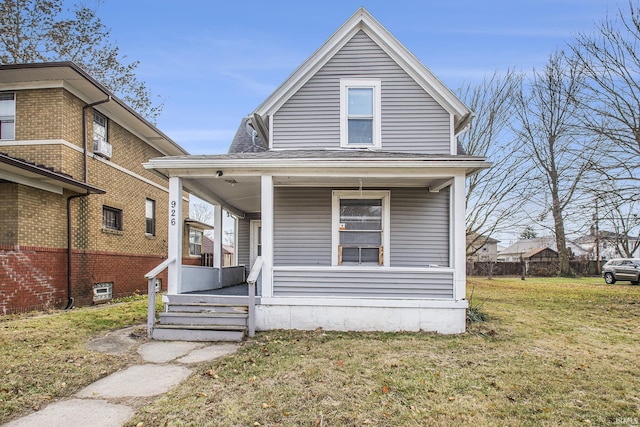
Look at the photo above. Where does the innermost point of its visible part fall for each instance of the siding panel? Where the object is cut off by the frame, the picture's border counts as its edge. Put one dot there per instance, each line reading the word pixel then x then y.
pixel 419 227
pixel 412 121
pixel 302 226
pixel 382 283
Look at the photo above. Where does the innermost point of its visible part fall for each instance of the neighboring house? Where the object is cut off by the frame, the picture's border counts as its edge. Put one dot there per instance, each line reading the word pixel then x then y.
pixel 516 251
pixel 208 247
pixel 608 243
pixel 71 151
pixel 481 248
pixel 349 184
pixel 546 255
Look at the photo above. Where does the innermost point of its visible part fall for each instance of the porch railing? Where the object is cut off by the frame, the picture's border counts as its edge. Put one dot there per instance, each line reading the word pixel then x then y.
pixel 251 282
pixel 151 293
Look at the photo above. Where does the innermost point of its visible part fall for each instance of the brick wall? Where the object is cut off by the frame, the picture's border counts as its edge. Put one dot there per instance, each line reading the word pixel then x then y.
pixel 33 278
pixel 33 222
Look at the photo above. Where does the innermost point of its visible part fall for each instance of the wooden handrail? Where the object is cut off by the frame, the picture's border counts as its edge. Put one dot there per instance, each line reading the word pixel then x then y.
pixel 251 282
pixel 151 293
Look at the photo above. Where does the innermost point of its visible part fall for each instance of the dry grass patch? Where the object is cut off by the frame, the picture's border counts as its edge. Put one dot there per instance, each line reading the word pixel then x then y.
pixel 553 351
pixel 43 356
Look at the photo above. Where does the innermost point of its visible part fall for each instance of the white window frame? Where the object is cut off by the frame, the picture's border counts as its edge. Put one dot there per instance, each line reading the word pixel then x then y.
pixel 100 120
pixel 385 196
pixel 10 118
pixel 345 85
pixel 191 254
pixel 150 203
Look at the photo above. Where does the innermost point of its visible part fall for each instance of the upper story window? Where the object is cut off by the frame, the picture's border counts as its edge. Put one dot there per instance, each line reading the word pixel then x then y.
pixel 7 115
pixel 101 144
pixel 150 215
pixel 360 105
pixel 99 129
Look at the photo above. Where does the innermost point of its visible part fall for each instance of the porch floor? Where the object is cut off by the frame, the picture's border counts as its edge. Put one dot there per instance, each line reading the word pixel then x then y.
pixel 235 290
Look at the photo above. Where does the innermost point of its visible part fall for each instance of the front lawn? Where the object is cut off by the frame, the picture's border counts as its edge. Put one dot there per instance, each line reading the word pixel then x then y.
pixel 43 357
pixel 552 352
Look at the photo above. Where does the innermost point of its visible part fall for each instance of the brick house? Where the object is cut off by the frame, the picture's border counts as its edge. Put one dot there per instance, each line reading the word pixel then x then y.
pixel 81 220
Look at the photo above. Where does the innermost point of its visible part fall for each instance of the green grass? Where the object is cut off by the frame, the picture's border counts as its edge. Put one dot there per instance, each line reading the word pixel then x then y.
pixel 552 352
pixel 44 357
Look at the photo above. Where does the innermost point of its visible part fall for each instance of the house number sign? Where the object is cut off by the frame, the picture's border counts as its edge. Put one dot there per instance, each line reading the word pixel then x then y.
pixel 172 213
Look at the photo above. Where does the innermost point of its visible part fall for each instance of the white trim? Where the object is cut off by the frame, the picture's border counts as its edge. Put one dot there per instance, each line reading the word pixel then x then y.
pixel 345 85
pixel 35 142
pixel 364 302
pixel 458 233
pixel 362 20
pixel 217 236
pixel 270 131
pixel 30 182
pixel 385 196
pixel 44 84
pixel 175 225
pixel 267 205
pixel 254 225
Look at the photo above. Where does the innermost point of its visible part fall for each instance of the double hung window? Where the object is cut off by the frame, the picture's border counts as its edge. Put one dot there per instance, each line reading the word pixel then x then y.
pixel 150 215
pixel 195 241
pixel 7 115
pixel 99 130
pixel 360 113
pixel 361 228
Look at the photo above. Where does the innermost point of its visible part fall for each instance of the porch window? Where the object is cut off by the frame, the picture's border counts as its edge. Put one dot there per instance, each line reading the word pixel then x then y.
pixel 361 227
pixel 360 107
pixel 195 242
pixel 7 115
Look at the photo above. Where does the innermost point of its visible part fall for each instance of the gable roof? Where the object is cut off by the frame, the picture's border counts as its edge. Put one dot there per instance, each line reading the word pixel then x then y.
pixel 363 21
pixel 537 251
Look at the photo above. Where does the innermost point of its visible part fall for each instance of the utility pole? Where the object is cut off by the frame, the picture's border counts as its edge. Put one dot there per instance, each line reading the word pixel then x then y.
pixel 597 239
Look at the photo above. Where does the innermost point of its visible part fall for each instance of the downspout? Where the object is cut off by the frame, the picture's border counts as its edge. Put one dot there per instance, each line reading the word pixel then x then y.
pixel 85 180
pixel 69 249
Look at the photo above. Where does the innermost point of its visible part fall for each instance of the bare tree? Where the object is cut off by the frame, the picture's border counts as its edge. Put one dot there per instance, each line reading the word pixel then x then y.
pixel 549 128
pixel 42 31
pixel 495 195
pixel 201 211
pixel 610 59
pixel 621 215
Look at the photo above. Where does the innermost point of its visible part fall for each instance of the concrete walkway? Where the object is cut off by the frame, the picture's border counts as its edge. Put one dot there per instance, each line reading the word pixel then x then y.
pixel 113 400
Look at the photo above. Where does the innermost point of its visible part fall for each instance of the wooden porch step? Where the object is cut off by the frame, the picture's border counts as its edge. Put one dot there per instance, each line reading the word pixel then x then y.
pixel 199 333
pixel 197 307
pixel 208 299
pixel 206 318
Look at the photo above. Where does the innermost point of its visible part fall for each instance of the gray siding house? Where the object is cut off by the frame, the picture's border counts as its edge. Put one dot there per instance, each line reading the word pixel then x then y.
pixel 349 188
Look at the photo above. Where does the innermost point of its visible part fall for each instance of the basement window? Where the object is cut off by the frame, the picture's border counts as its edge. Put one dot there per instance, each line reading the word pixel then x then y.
pixel 102 291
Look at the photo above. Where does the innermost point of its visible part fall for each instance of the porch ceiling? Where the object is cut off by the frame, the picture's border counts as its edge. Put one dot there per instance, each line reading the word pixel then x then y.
pixel 241 194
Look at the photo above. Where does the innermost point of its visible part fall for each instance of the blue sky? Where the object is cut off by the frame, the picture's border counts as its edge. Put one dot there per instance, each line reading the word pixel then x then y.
pixel 213 62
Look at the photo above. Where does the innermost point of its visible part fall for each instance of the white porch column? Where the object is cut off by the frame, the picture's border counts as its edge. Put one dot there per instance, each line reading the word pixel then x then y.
pixel 459 239
pixel 267 235
pixel 217 236
pixel 175 236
